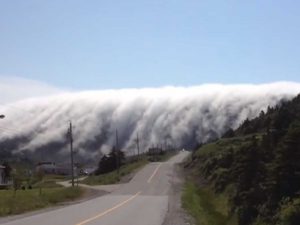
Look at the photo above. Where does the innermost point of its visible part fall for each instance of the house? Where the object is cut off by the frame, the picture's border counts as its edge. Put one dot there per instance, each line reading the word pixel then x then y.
pixel 53 168
pixel 46 167
pixel 4 182
pixel 2 175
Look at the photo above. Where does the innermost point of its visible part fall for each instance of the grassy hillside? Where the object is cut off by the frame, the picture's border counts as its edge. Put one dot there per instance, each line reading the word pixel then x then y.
pixel 29 200
pixel 256 168
pixel 115 177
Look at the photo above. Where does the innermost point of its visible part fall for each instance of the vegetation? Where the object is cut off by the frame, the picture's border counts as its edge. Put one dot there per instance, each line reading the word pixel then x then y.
pixel 107 172
pixel 29 200
pixel 207 207
pixel 29 191
pixel 162 157
pixel 110 162
pixel 7 172
pixel 113 176
pixel 259 163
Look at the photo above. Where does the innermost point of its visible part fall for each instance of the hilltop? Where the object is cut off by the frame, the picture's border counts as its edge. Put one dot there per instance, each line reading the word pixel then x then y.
pixel 254 171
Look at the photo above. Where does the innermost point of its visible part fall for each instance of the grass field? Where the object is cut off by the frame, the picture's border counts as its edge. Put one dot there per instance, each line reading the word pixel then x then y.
pixel 28 200
pixel 113 177
pixel 205 206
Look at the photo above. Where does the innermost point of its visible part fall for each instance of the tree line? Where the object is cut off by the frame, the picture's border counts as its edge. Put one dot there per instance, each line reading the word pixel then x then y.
pixel 260 163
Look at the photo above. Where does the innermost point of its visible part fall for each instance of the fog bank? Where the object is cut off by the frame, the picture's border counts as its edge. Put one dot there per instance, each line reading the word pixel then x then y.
pixel 181 116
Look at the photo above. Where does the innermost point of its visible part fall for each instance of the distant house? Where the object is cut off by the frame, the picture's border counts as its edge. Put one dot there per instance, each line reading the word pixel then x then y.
pixel 52 168
pixel 2 175
pixel 64 169
pixel 4 182
pixel 46 167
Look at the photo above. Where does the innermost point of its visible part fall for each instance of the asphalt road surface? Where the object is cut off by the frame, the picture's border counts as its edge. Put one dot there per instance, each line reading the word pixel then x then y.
pixel 142 201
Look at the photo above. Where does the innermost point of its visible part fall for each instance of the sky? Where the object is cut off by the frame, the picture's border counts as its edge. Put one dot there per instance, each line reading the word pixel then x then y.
pixel 98 44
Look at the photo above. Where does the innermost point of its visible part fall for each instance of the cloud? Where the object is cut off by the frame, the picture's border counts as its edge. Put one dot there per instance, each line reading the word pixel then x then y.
pixel 181 116
pixel 15 88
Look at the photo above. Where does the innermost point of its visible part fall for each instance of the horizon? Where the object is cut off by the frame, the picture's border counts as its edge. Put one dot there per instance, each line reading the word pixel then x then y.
pixel 15 89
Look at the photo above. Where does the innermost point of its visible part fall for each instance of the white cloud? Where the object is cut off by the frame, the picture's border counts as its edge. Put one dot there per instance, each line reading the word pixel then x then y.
pixel 180 115
pixel 15 88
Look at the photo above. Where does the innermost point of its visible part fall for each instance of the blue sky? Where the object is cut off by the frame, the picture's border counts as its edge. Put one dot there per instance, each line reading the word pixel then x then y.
pixel 136 43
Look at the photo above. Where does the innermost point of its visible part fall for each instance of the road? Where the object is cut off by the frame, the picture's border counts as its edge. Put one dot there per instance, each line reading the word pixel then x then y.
pixel 142 201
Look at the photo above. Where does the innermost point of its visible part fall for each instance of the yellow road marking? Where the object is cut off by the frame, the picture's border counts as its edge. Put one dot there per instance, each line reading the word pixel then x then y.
pixel 109 210
pixel 153 174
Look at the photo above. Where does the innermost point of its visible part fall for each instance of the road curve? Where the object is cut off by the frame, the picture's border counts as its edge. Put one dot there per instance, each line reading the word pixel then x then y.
pixel 142 201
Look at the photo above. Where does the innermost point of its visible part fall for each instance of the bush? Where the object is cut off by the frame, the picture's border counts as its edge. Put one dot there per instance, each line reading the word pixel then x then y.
pixel 290 213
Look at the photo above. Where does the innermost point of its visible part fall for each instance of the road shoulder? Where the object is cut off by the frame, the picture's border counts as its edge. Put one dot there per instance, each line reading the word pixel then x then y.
pixel 176 215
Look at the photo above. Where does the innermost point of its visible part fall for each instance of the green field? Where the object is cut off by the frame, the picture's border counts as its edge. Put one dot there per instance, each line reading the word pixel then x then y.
pixel 28 200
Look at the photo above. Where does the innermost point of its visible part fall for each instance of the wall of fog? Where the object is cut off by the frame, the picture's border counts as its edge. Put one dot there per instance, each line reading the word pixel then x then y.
pixel 181 116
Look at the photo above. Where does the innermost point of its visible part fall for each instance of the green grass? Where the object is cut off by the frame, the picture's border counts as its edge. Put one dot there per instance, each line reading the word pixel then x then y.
pixel 206 207
pixel 225 143
pixel 29 200
pixel 56 177
pixel 207 149
pixel 48 181
pixel 113 177
pixel 47 184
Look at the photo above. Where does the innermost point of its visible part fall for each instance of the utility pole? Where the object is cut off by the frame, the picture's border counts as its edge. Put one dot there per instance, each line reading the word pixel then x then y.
pixel 70 135
pixel 138 144
pixel 166 145
pixel 117 152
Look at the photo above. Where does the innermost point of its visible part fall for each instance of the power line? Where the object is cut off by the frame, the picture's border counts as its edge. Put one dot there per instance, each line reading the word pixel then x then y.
pixel 117 152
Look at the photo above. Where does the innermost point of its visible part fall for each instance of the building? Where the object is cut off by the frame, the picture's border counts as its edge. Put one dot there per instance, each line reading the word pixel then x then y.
pixel 2 175
pixel 46 167
pixel 53 168
pixel 4 181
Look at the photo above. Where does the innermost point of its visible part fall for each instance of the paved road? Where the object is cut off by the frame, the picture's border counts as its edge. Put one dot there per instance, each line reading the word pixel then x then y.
pixel 142 201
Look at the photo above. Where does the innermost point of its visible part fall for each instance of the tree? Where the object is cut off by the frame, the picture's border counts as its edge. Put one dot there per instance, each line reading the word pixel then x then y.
pixel 287 168
pixel 40 177
pixel 7 172
pixel 229 133
pixel 110 162
pixel 17 181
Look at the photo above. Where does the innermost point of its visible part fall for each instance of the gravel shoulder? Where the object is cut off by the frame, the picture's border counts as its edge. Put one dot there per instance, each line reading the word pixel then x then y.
pixel 176 215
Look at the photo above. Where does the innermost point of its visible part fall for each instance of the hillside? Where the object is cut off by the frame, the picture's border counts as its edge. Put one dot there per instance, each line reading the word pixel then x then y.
pixel 256 167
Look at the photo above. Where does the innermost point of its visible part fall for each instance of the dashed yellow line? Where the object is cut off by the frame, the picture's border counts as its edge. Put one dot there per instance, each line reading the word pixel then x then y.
pixel 109 210
pixel 153 174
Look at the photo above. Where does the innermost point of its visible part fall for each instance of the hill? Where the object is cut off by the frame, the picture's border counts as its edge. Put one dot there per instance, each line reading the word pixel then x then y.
pixel 257 168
